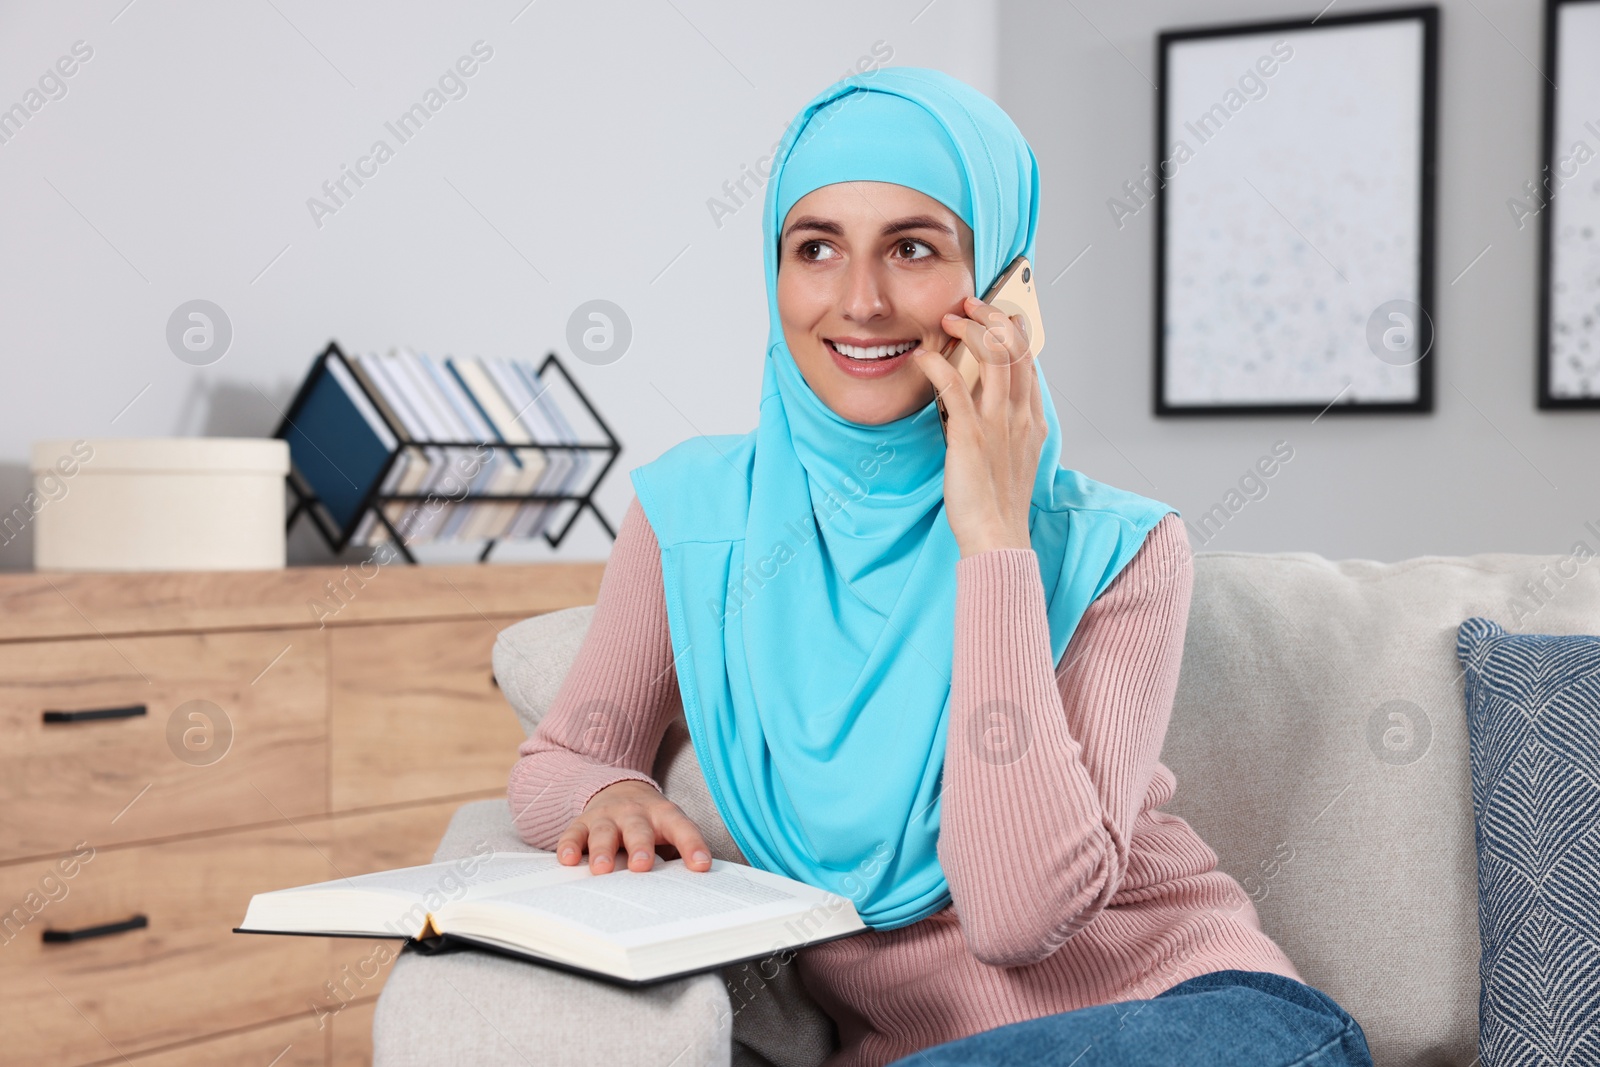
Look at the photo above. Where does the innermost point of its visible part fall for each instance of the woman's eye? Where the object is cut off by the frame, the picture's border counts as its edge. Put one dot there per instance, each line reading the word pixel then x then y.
pixel 806 248
pixel 914 245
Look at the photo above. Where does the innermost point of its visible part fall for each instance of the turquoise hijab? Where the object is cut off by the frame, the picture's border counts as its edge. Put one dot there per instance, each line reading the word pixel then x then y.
pixel 809 567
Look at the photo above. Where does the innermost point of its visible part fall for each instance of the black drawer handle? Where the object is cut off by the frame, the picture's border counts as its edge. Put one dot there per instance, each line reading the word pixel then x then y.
pixel 138 922
pixel 132 711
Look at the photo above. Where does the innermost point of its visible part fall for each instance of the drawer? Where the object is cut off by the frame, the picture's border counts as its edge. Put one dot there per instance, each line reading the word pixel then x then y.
pixel 186 976
pixel 234 731
pixel 415 713
pixel 293 1043
pixel 352 1036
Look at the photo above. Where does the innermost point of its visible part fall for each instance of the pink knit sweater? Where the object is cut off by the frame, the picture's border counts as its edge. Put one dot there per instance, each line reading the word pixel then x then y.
pixel 1069 886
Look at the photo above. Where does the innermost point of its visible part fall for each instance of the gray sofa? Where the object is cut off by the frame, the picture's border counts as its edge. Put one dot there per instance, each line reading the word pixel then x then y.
pixel 1320 747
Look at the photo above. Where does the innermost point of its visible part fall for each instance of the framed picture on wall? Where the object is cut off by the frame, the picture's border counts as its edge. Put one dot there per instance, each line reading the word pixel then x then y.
pixel 1567 200
pixel 1293 187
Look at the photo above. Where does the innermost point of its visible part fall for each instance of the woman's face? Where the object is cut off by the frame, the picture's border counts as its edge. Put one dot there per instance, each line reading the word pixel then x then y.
pixel 865 269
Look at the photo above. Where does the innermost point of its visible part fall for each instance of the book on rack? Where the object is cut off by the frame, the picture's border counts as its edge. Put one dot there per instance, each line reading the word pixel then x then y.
pixel 425 449
pixel 455 464
pixel 503 422
pixel 421 464
pixel 554 400
pixel 475 399
pixel 337 419
pixel 627 927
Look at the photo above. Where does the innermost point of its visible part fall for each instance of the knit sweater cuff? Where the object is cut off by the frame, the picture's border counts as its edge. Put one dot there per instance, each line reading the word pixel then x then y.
pixel 551 807
pixel 594 777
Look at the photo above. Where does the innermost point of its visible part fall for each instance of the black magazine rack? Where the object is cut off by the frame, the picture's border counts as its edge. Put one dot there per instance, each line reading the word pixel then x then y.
pixel 373 499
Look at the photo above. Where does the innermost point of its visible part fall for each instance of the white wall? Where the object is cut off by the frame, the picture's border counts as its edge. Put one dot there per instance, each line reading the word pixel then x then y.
pixel 578 165
pixel 1485 472
pixel 179 163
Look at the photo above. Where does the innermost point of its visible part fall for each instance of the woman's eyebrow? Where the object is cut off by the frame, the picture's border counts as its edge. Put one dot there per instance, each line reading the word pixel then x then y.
pixel 812 222
pixel 910 222
pixel 917 222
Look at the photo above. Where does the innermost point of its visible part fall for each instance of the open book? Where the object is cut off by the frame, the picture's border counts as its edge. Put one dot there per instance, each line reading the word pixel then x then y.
pixel 631 927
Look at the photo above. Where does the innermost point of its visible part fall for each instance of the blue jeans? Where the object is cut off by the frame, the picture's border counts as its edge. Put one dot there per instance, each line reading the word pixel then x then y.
pixel 1222 1019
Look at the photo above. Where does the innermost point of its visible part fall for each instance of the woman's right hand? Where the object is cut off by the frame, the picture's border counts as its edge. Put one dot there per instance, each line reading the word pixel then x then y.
pixel 633 814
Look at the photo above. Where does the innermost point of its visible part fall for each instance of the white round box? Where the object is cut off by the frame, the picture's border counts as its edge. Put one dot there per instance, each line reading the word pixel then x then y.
pixel 159 503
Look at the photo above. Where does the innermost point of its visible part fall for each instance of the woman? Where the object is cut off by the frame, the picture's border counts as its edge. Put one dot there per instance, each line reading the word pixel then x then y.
pixel 932 678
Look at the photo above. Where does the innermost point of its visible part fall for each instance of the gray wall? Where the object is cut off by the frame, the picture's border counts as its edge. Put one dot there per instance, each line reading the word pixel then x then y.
pixel 579 165
pixel 1486 472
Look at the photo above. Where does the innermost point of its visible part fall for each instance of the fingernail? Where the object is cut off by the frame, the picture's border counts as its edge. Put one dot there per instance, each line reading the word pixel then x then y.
pixel 568 853
pixel 701 857
pixel 642 856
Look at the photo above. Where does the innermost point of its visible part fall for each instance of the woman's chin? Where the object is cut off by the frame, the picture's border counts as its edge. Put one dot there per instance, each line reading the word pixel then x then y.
pixel 875 409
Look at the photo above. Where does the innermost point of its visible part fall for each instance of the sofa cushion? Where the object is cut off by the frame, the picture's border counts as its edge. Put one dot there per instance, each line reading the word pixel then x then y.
pixel 1320 749
pixel 1533 721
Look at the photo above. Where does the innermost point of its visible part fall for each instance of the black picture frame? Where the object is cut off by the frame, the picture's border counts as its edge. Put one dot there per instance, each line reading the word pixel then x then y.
pixel 1549 203
pixel 1427 16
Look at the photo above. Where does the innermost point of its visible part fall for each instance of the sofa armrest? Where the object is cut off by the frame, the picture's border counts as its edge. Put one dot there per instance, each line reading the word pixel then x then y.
pixel 479 827
pixel 490 1011
pixel 478 1008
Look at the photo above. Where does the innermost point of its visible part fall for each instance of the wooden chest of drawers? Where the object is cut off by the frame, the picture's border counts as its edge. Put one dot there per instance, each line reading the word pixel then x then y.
pixel 171 744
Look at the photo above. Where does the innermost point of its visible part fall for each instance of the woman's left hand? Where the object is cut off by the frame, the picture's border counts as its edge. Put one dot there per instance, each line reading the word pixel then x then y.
pixel 994 434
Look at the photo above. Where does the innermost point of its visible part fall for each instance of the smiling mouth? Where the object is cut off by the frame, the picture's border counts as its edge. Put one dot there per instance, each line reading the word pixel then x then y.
pixel 873 353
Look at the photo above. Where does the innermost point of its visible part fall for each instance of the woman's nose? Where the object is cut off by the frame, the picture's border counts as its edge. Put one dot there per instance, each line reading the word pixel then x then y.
pixel 863 296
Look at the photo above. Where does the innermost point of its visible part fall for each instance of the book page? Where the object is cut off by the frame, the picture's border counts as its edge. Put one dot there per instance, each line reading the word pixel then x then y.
pixel 624 901
pixel 453 879
pixel 500 870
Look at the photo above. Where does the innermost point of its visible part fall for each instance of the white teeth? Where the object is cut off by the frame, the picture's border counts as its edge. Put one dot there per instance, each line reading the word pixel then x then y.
pixel 875 352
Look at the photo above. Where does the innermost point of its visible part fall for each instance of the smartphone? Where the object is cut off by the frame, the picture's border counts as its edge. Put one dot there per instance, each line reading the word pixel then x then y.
pixel 1014 293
